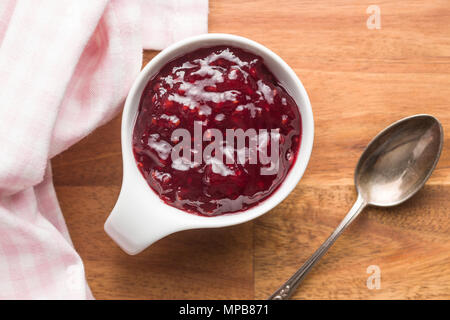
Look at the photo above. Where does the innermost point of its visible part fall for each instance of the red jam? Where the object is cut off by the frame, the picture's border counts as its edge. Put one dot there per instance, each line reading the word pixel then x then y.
pixel 217 88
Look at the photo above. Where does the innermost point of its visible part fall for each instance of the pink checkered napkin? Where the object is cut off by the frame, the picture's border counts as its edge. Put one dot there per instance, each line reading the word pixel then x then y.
pixel 65 68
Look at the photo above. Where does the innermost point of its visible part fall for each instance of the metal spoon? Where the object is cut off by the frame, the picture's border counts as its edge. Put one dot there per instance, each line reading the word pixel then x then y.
pixel 392 168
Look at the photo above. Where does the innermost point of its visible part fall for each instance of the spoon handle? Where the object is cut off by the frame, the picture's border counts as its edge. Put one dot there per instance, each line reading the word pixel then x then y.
pixel 288 288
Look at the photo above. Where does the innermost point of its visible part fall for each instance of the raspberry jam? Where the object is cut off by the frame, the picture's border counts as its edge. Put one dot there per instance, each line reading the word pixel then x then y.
pixel 214 88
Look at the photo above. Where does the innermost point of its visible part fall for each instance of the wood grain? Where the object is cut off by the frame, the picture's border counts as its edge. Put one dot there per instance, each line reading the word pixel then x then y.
pixel 359 81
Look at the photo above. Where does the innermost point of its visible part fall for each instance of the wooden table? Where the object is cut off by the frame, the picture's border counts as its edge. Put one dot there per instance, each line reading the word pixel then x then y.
pixel 359 81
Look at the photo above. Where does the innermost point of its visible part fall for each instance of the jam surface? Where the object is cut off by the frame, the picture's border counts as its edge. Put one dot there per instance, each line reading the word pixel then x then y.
pixel 216 88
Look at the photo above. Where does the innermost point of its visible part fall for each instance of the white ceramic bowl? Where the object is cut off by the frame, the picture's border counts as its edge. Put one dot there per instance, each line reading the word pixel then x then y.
pixel 140 217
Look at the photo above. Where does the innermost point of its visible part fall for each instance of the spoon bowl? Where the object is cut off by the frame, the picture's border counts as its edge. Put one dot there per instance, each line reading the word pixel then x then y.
pixel 399 160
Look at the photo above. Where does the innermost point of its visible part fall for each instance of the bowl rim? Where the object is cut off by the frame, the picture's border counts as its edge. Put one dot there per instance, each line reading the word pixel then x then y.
pixel 189 220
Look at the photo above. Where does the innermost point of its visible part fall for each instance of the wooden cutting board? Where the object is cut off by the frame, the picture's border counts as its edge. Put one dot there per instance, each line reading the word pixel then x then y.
pixel 359 81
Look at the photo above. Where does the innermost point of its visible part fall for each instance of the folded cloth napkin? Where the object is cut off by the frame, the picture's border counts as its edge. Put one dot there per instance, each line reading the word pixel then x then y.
pixel 65 69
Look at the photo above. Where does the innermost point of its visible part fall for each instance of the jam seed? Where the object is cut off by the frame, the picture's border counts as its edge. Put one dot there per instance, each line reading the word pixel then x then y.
pixel 168 104
pixel 176 122
pixel 289 156
pixel 166 178
pixel 210 89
